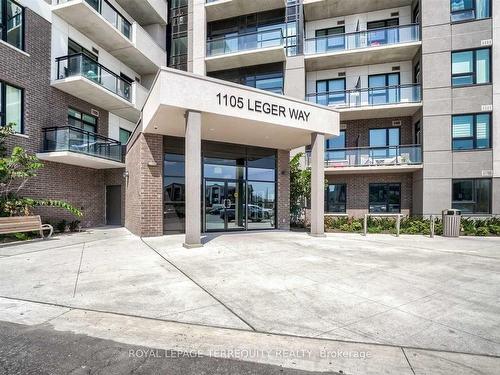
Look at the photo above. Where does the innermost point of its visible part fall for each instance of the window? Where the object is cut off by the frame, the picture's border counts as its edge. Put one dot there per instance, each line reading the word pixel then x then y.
pixel 82 121
pixel 124 136
pixel 471 67
pixel 463 10
pixel 331 91
pixel 336 143
pixel 384 142
pixel 417 73
pixel 330 39
pixel 384 88
pixel 418 133
pixel 335 198
pixel 174 193
pixel 74 48
pixel 12 23
pixel 11 107
pixel 471 131
pixel 383 32
pixel 385 198
pixel 472 196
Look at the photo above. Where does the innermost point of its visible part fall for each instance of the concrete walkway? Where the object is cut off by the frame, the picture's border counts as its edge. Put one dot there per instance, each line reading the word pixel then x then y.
pixel 413 303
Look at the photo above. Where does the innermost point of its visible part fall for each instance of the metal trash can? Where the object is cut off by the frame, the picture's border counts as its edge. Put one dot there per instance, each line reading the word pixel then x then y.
pixel 451 223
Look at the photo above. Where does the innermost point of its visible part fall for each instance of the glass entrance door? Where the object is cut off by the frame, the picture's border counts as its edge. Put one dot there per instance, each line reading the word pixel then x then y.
pixel 224 205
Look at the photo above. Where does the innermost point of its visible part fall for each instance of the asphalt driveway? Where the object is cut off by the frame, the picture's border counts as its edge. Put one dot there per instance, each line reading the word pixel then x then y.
pixel 415 292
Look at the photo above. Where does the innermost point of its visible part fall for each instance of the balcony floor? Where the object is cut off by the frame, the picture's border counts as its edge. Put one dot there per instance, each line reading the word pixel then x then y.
pixel 246 58
pixel 373 169
pixel 222 9
pixel 362 56
pixel 379 111
pixel 81 160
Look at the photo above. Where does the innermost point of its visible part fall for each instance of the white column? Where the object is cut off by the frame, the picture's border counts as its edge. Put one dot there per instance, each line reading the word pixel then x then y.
pixel 317 184
pixel 193 179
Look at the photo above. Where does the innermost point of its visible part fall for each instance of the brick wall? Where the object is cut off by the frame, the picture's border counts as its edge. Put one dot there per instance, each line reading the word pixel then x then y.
pixel 362 128
pixel 358 186
pixel 144 186
pixel 283 189
pixel 45 106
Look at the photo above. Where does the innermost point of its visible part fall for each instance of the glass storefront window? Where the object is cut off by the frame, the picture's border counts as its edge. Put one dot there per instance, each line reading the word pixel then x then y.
pixel 262 168
pixel 261 205
pixel 224 168
pixel 174 193
pixel 472 196
pixel 385 198
pixel 335 198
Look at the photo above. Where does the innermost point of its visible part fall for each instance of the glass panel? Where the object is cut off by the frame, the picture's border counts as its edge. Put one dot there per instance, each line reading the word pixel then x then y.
pixel 483 131
pixel 336 142
pixel 13 107
pixel 335 198
pixel 394 198
pixel 378 137
pixel 262 169
pixel 483 196
pixel 174 189
pixel 224 168
pixel 14 24
pixel 173 165
pixel 463 126
pixel 174 218
pixel 463 190
pixel 461 5
pixel 463 80
pixel 483 8
pixel 214 205
pixel 483 66
pixel 124 135
pixel 235 205
pixel 378 198
pixel 261 205
pixel 462 62
pixel 394 137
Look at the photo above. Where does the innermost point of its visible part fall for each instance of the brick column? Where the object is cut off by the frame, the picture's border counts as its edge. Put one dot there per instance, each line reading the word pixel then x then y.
pixel 144 185
pixel 283 199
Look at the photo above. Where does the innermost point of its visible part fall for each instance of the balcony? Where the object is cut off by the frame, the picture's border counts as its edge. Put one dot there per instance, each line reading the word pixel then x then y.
pixel 223 9
pixel 70 145
pixel 321 9
pixel 261 47
pixel 389 44
pixel 84 78
pixel 393 159
pixel 146 12
pixel 102 23
pixel 374 102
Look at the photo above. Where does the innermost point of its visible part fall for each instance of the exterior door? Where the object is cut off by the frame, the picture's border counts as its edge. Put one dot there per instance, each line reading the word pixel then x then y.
pixel 114 205
pixel 225 205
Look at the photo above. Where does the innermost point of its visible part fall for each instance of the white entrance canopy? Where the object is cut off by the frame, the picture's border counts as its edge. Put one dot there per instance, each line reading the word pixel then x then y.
pixel 233 113
pixel 197 107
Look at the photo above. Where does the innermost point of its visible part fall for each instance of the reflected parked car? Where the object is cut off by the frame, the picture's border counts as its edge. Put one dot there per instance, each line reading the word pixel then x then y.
pixel 255 213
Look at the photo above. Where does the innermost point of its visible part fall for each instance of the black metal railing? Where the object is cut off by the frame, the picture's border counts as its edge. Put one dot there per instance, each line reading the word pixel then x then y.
pixel 363 39
pixel 80 64
pixel 410 93
pixel 245 42
pixel 69 138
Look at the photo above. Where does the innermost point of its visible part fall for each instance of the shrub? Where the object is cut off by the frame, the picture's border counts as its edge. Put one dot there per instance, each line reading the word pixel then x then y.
pixel 356 226
pixel 61 226
pixel 74 226
pixel 482 231
pixel 494 229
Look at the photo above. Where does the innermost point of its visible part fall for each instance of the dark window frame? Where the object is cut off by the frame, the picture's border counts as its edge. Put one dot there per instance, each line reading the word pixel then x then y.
pixel 473 9
pixel 387 137
pixel 4 30
pixel 387 203
pixel 327 81
pixel 344 204
pixel 474 131
pixel 3 105
pixel 472 74
pixel 387 91
pixel 454 203
pixel 120 129
pixel 95 126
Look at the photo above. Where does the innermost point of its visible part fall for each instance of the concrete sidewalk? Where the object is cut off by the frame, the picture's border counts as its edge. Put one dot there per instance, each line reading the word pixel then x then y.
pixel 413 302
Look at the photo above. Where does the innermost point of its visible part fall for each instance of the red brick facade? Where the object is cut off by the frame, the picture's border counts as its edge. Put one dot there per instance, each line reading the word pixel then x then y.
pixel 357 131
pixel 45 106
pixel 283 199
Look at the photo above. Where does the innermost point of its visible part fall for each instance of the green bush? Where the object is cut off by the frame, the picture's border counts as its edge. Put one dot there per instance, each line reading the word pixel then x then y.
pixel 61 226
pixel 482 231
pixel 494 229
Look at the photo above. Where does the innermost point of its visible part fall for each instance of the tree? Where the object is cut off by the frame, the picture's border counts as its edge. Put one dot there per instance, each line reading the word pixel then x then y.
pixel 16 169
pixel 300 188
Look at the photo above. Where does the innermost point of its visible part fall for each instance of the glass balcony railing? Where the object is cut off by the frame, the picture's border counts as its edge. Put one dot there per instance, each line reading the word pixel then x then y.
pixel 80 64
pixel 245 42
pixel 373 156
pixel 69 138
pixel 362 39
pixel 109 12
pixel 368 96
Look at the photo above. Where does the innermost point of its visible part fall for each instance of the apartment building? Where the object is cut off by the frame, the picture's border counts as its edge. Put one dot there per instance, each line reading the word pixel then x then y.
pixel 74 75
pixel 415 83
pixel 395 103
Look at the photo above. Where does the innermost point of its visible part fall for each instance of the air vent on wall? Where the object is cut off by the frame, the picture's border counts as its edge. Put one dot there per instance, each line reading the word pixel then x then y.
pixel 95 50
pixel 341 74
pixel 396 68
pixel 395 14
pixel 396 123
pixel 94 112
pixel 342 22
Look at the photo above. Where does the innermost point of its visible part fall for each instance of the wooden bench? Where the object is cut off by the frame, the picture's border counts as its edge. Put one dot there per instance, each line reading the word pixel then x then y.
pixel 16 224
